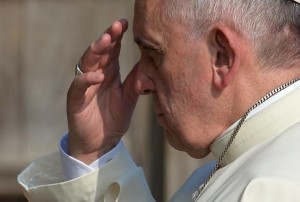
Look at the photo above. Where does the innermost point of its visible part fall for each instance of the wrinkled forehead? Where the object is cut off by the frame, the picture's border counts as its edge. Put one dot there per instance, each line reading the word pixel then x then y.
pixel 149 5
pixel 148 17
pixel 147 10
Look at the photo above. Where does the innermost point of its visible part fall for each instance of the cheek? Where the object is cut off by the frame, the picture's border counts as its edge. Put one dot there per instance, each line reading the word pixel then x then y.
pixel 186 94
pixel 183 89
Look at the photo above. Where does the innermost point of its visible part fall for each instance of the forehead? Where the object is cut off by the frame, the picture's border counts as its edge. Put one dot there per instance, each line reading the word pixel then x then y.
pixel 149 6
pixel 148 20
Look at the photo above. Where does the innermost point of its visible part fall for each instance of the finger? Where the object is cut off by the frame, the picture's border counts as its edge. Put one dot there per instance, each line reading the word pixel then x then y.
pixel 83 82
pixel 110 38
pixel 105 49
pixel 90 59
pixel 117 29
pixel 110 56
pixel 112 51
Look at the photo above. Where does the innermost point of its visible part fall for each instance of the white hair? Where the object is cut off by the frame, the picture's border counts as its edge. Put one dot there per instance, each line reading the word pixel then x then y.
pixel 273 26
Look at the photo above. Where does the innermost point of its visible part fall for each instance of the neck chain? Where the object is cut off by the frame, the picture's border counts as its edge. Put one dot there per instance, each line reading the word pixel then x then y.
pixel 198 193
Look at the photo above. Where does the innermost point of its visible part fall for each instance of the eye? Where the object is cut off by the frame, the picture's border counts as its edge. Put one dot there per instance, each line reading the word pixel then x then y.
pixel 149 53
pixel 153 56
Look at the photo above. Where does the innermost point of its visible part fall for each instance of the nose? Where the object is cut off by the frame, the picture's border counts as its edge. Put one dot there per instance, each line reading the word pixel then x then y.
pixel 144 84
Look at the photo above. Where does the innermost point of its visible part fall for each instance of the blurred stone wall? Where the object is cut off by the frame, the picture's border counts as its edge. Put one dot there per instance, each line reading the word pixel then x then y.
pixel 40 42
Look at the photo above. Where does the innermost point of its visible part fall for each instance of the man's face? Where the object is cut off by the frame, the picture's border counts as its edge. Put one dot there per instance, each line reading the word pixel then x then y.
pixel 176 70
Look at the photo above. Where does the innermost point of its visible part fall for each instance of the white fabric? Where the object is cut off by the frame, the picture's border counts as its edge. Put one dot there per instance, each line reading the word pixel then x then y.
pixel 265 121
pixel 43 181
pixel 269 172
pixel 266 173
pixel 262 165
pixel 265 151
pixel 74 168
pixel 266 104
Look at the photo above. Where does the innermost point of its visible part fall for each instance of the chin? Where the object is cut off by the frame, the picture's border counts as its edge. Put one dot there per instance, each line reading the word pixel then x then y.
pixel 198 155
pixel 178 145
pixel 173 142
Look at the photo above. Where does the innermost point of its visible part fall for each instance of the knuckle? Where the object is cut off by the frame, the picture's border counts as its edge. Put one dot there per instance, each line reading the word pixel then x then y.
pixel 93 46
pixel 85 77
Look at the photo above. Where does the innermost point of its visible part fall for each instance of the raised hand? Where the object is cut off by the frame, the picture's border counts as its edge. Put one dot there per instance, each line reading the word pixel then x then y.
pixel 99 105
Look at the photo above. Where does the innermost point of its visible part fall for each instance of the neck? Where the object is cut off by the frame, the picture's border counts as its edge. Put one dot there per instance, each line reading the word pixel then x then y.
pixel 246 90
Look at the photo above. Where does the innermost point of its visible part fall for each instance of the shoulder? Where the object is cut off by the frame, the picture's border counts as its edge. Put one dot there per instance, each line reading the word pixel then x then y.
pixel 272 166
pixel 270 189
pixel 273 169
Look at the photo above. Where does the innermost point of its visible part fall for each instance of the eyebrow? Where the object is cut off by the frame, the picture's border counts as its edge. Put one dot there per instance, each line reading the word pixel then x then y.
pixel 145 44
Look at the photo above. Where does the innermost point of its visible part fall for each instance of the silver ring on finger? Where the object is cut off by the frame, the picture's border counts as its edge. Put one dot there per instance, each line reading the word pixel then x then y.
pixel 78 71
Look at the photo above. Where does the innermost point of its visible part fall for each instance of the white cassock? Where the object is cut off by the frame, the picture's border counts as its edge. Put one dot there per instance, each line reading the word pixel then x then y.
pixel 262 165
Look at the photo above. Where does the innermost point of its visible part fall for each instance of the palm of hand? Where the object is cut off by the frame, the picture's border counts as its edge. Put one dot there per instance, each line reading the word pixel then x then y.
pixel 99 106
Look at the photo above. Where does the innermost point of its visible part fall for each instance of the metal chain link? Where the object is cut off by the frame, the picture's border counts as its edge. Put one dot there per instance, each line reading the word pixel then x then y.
pixel 198 193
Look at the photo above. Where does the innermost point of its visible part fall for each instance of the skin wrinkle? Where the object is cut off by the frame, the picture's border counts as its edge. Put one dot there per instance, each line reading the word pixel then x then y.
pixel 173 110
pixel 196 95
pixel 257 21
pixel 189 105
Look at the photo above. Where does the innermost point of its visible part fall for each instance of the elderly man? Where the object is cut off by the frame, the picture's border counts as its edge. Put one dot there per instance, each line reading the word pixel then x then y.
pixel 224 75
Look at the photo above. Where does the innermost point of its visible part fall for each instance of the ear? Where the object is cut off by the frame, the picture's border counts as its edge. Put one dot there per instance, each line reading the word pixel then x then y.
pixel 225 54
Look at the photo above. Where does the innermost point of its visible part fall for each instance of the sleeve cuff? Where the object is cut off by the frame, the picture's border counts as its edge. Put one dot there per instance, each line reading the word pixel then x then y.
pixel 74 168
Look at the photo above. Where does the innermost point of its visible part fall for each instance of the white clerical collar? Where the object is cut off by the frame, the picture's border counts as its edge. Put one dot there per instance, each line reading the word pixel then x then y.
pixel 265 104
pixel 255 129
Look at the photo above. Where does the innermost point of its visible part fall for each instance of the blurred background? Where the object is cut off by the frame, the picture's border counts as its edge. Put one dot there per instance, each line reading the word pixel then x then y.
pixel 40 42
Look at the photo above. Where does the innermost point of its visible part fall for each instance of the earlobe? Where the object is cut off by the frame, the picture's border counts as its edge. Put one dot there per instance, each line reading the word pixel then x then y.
pixel 225 56
pixel 219 76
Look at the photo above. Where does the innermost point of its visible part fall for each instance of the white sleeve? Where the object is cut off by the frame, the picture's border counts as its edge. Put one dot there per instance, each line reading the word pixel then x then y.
pixel 74 168
pixel 118 180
